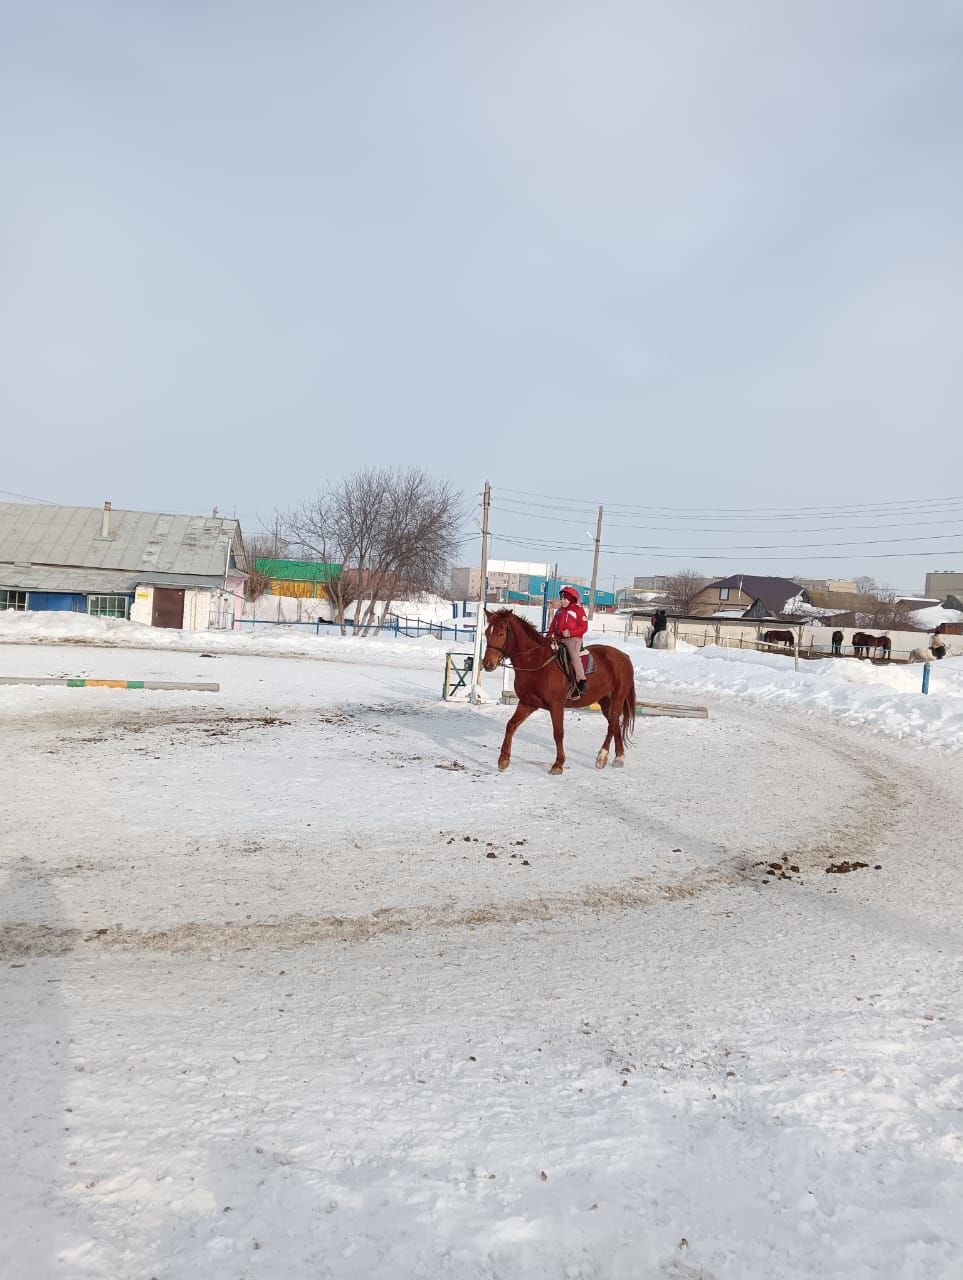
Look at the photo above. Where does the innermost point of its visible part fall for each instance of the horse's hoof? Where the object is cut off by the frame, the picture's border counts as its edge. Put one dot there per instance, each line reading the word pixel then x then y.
pixel 503 765
pixel 601 760
pixel 618 762
pixel 555 770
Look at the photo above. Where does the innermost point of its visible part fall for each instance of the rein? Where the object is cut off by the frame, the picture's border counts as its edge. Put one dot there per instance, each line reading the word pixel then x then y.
pixel 531 649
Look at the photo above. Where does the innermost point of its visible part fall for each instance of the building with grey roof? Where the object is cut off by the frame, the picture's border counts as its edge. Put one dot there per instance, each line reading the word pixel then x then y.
pixel 751 595
pixel 162 570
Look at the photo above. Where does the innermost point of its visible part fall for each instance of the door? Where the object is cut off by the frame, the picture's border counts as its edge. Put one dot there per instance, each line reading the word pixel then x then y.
pixel 168 607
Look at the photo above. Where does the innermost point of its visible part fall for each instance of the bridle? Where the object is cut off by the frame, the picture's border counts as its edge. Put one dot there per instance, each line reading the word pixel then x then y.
pixel 531 649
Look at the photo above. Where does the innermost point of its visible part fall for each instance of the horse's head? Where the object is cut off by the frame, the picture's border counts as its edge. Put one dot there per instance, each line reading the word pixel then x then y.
pixel 498 638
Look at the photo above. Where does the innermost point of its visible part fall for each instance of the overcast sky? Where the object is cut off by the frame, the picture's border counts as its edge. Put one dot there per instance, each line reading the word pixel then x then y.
pixel 690 255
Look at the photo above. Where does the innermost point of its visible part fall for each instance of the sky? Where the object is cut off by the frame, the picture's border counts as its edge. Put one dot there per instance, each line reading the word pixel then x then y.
pixel 705 258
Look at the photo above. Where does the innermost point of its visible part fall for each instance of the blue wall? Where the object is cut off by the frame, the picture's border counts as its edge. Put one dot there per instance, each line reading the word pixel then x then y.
pixel 57 601
pixel 603 599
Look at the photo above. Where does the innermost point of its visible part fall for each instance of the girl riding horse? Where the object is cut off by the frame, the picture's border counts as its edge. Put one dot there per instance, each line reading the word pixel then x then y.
pixel 541 684
pixel 568 626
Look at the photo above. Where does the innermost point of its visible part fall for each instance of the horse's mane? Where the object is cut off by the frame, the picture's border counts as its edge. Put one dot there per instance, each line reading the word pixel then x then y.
pixel 532 632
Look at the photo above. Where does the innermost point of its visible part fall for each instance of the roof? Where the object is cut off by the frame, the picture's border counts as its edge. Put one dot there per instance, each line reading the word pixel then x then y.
pixel 297 570
pixel 773 592
pixel 41 577
pixel 138 542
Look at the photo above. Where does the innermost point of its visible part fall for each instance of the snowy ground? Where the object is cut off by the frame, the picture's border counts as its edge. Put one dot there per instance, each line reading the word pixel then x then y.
pixel 268 1012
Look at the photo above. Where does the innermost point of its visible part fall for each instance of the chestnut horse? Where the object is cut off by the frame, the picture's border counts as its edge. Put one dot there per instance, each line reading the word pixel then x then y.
pixel 542 685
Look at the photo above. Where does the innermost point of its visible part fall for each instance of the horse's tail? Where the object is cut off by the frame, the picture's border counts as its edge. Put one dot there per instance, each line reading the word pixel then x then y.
pixel 627 714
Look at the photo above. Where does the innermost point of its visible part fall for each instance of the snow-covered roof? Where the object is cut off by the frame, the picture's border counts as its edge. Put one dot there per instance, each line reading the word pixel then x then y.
pixel 934 615
pixel 805 610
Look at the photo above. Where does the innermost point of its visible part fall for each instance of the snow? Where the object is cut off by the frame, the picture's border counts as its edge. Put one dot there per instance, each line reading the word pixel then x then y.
pixel 800 608
pixel 71 628
pixel 881 697
pixel 933 615
pixel 267 1012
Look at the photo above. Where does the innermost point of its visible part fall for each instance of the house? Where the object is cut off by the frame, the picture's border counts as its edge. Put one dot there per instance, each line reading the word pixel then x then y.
pixel 503 575
pixel 158 569
pixel 752 597
pixel 828 584
pixel 303 578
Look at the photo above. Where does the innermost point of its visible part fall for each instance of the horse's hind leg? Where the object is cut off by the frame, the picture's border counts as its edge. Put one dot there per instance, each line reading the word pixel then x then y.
pixel 521 715
pixel 602 759
pixel 615 725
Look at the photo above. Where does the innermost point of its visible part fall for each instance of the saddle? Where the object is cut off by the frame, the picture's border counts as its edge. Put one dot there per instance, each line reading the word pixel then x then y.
pixel 563 660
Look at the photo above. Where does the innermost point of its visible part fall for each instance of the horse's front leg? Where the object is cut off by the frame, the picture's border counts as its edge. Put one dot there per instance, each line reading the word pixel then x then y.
pixel 521 715
pixel 557 712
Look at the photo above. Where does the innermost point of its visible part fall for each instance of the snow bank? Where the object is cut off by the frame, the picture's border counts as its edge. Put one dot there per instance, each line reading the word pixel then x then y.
pixel 80 628
pixel 887 699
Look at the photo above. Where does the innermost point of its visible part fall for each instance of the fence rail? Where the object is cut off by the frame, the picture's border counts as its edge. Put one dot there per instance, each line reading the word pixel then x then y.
pixel 393 625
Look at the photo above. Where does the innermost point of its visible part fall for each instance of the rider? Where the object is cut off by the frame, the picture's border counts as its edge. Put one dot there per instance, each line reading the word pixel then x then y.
pixel 568 626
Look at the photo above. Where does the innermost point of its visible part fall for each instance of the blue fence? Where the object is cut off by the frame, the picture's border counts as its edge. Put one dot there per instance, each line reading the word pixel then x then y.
pixel 393 625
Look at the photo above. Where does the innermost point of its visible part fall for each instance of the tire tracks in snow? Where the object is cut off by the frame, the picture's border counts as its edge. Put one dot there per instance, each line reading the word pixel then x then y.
pixel 19 939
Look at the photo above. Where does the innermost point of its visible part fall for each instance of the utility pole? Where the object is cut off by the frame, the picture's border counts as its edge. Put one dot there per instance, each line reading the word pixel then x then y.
pixel 595 567
pixel 482 597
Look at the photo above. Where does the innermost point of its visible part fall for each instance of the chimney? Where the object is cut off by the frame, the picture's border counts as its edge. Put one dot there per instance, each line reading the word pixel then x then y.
pixel 105 523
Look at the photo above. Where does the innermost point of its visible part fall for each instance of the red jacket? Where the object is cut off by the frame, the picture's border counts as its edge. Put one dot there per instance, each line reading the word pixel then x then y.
pixel 569 620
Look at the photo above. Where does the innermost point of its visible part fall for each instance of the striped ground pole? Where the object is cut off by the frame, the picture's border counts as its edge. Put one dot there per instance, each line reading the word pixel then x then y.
pixel 68 683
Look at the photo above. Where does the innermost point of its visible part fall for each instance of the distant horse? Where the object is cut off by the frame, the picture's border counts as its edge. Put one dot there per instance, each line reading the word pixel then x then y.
pixel 864 645
pixel 837 644
pixel 542 685
pixel 779 637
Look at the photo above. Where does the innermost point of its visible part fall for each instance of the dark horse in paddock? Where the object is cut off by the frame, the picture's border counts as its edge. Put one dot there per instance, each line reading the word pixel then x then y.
pixel 864 645
pixel 837 644
pixel 542 685
pixel 779 637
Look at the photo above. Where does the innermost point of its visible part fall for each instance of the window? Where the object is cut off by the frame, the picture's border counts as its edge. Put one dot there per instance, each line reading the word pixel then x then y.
pixel 723 593
pixel 107 606
pixel 13 599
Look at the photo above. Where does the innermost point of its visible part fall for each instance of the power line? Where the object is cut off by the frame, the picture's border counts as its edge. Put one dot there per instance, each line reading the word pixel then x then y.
pixel 777 546
pixel 26 498
pixel 909 506
pixel 521 509
pixel 674 555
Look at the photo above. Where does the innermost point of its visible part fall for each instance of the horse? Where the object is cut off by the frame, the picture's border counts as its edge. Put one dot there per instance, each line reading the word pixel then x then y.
pixel 779 637
pixel 862 643
pixel 884 645
pixel 542 685
pixel 837 644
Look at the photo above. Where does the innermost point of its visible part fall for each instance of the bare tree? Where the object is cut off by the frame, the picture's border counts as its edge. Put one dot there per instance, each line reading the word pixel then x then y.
pixel 681 588
pixel 391 531
pixel 262 546
pixel 884 611
pixel 865 585
pixel 317 529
